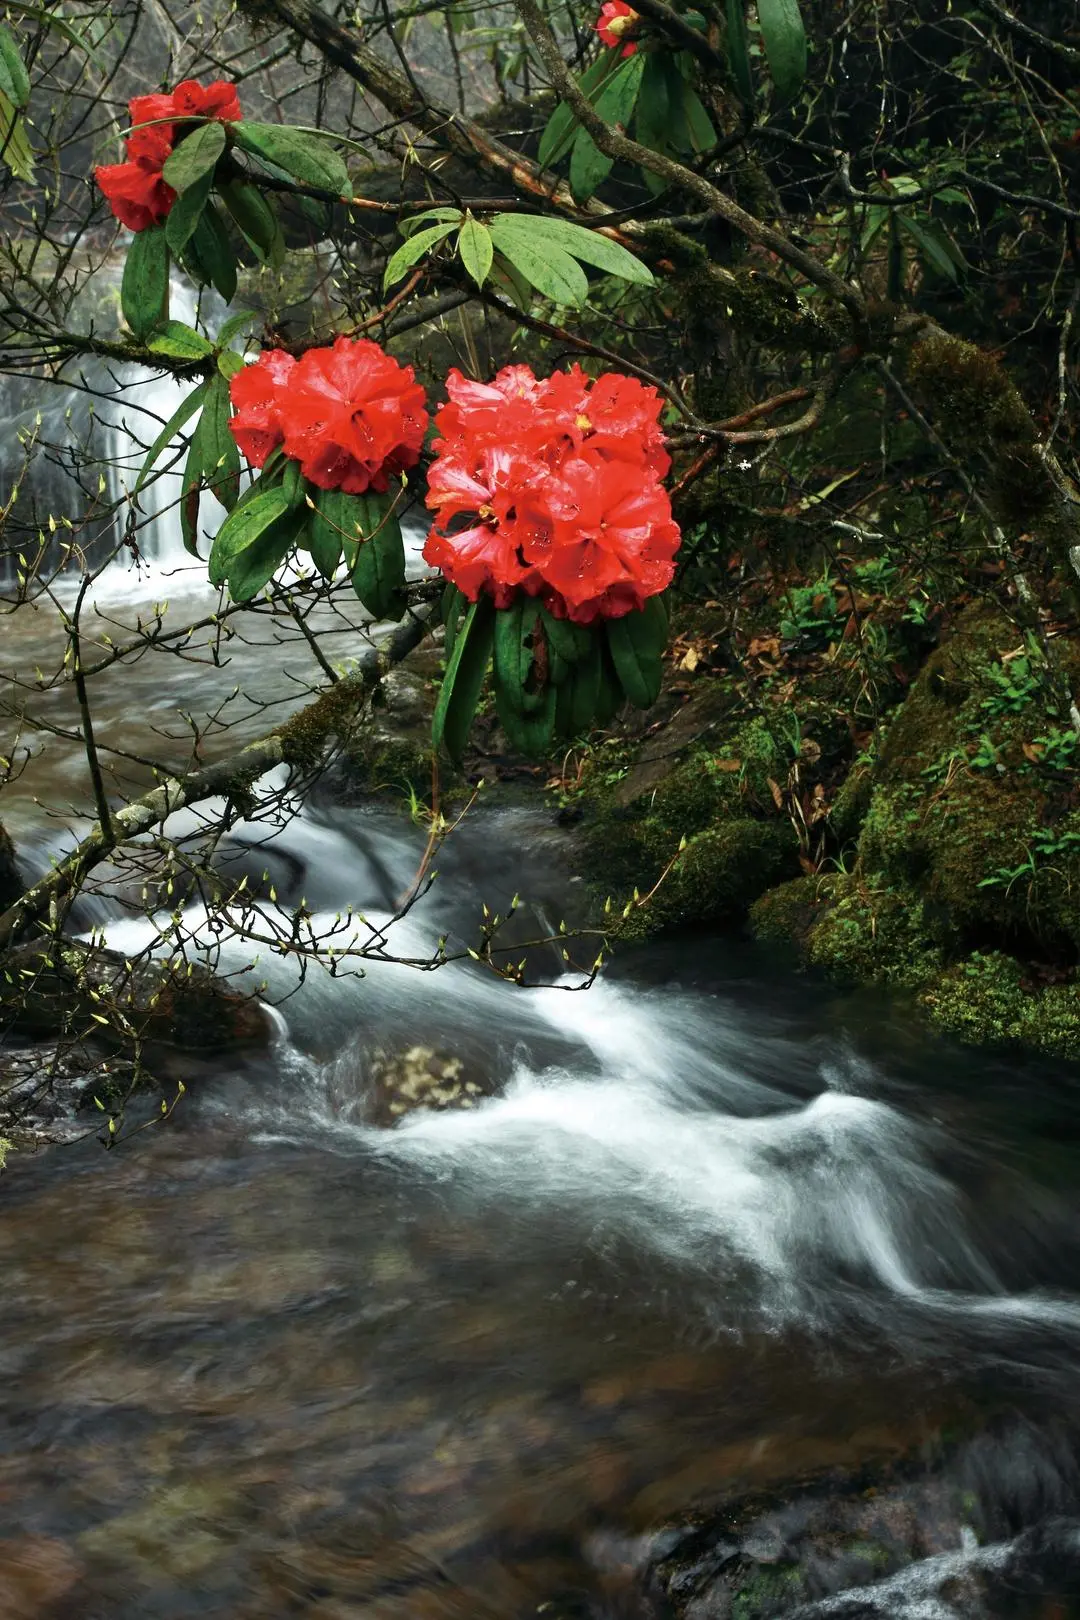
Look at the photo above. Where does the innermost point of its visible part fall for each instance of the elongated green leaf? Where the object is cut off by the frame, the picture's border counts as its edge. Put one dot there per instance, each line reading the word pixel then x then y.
pixel 517 670
pixel 476 250
pixel 609 693
pixel 144 288
pixel 652 113
pixel 378 573
pixel 551 271
pixel 453 216
pixel 308 158
pixel 14 79
pixel 252 568
pixel 931 246
pixel 186 212
pixel 464 678
pixel 617 97
pixel 558 134
pixel 530 733
pixel 589 167
pixel 586 693
pixel 15 149
pixel 698 122
pixel 454 603
pixel 332 522
pixel 738 51
pixel 196 155
pixel 217 447
pixel 180 342
pixel 186 408
pixel 242 529
pixel 538 231
pixel 208 256
pixel 571 641
pixel 414 248
pixel 635 649
pixel 255 218
pixel 235 323
pixel 784 38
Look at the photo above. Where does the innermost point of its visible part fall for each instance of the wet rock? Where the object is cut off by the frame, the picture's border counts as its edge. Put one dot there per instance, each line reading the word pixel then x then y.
pixel 421 1080
pixel 35 1572
pixel 45 1091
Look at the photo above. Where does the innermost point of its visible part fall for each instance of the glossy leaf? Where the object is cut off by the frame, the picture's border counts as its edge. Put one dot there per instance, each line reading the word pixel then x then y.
pixel 698 122
pixel 558 135
pixel 464 679
pixel 571 641
pixel 413 249
pixel 255 218
pixel 196 155
pixel 587 682
pixel 180 342
pixel 636 642
pixel 14 79
pixel 454 603
pixel 190 497
pixel 738 51
pixel 217 447
pixel 243 529
pixel 588 246
pixel 144 287
pixel 529 732
pixel 378 572
pixel 184 411
pixel 544 265
pixel 186 212
pixel 784 39
pixel 476 249
pixel 208 256
pixel 517 670
pixel 328 528
pixel 308 158
pixel 589 167
pixel 453 216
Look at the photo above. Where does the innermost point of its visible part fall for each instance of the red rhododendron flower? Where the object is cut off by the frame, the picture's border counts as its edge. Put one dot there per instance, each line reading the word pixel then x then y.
pixel 350 414
pixel 136 191
pixel 256 392
pixel 616 22
pixel 553 488
pixel 353 417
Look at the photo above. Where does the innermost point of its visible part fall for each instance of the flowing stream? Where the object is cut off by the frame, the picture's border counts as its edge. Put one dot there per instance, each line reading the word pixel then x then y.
pixel 720 1231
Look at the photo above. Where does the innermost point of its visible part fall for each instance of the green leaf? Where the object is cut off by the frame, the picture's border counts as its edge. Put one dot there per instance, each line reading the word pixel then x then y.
pixel 586 692
pixel 517 672
pixel 180 342
pixel 784 38
pixel 653 112
pixel 618 95
pixel 636 642
pixel 931 246
pixel 241 532
pixel 195 156
pixel 14 79
pixel 15 148
pixel 308 158
pixel 255 218
pixel 454 603
pixel 208 256
pixel 538 231
pixel 545 266
pixel 589 167
pixel 186 408
pixel 476 250
pixel 698 122
pixel 186 212
pixel 530 733
pixel 558 134
pixel 252 569
pixel 464 678
pixel 378 573
pixel 572 642
pixel 414 248
pixel 217 447
pixel 144 288
pixel 293 484
pixel 329 527
pixel 235 324
pixel 408 225
pixel 738 51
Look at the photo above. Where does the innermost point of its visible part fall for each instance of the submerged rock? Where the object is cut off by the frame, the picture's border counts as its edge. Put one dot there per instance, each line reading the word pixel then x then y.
pixel 421 1080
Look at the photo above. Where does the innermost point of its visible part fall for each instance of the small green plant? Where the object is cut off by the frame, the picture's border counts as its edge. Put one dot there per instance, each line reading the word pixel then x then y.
pixel 812 615
pixel 1012 685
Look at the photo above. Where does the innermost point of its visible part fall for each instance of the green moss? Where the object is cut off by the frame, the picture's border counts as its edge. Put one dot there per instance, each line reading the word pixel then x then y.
pixel 718 875
pixel 875 934
pixel 986 999
pixel 769 1590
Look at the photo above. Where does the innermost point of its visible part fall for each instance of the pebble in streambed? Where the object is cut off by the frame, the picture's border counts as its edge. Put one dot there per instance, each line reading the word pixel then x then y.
pixel 421 1080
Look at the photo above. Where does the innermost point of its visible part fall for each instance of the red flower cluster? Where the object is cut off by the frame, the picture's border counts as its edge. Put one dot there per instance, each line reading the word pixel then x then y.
pixel 136 191
pixel 350 415
pixel 559 486
pixel 616 25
